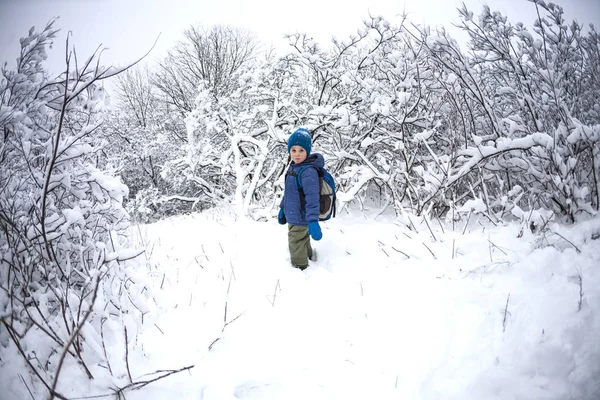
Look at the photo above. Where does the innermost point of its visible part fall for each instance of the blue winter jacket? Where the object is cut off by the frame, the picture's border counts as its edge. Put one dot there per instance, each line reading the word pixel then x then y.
pixel 290 203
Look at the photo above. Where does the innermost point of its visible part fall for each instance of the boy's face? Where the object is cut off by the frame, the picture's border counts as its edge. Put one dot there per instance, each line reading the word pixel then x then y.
pixel 298 154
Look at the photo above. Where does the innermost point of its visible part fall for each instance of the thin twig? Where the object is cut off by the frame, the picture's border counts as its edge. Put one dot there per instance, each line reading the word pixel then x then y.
pixel 24 383
pixel 127 355
pixel 232 270
pixel 141 384
pixel 427 222
pixel 223 330
pixel 13 335
pixel 227 302
pixel 401 252
pixel 52 162
pixel 467 223
pixel 413 225
pixel 213 343
pixel 104 344
pixel 133 303
pixel 441 226
pixel 497 247
pixel 505 314
pixel 453 221
pixel 429 250
pixel 159 329
pixel 204 252
pixel 453 241
pixel 135 385
pixel 277 288
pixel 580 303
pixel 225 322
pixel 233 320
pixel 567 240
pixel 489 218
pixel 72 339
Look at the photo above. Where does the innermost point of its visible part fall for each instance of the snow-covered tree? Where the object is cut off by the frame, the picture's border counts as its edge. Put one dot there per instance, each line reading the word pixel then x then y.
pixel 211 55
pixel 206 59
pixel 238 139
pixel 142 137
pixel 402 115
pixel 374 99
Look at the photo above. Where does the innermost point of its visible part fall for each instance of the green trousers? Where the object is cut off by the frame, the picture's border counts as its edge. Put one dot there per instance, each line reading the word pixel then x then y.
pixel 299 245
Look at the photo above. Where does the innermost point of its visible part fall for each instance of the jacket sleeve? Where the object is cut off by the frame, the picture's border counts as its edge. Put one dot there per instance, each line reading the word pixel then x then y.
pixel 310 184
pixel 284 188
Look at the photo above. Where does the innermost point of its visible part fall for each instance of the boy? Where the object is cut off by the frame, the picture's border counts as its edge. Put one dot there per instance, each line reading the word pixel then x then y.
pixel 302 221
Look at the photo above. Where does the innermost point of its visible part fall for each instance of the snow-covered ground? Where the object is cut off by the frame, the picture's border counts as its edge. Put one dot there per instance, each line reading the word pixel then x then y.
pixel 482 312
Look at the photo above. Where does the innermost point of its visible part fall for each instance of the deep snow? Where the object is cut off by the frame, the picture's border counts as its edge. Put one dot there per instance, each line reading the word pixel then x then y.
pixel 385 313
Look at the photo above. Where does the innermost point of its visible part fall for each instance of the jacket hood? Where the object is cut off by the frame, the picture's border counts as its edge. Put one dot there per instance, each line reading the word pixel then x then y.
pixel 314 159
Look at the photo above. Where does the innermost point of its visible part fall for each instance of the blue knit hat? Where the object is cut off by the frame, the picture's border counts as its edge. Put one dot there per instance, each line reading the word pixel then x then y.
pixel 301 137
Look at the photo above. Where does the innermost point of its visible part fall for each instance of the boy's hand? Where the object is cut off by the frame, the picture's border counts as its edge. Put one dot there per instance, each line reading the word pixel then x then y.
pixel 314 230
pixel 281 217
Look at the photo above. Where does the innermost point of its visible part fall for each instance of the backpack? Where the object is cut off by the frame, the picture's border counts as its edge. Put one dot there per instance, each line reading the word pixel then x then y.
pixel 327 195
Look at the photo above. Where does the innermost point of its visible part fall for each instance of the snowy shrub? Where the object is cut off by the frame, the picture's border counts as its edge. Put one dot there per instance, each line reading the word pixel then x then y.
pixel 60 215
pixel 518 113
